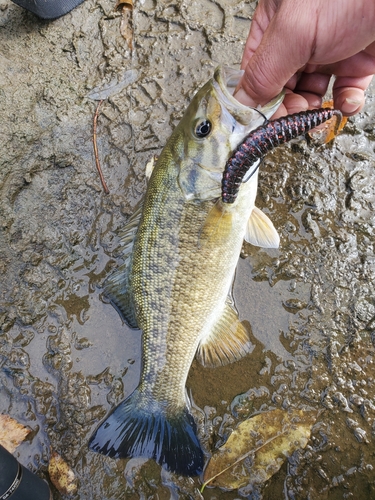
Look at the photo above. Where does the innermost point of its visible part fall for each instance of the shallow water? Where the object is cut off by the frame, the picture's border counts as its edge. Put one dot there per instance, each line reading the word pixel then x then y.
pixel 66 358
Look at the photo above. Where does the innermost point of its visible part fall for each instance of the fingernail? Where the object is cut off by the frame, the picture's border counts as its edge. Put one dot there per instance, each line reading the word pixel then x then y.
pixel 243 98
pixel 353 101
pixel 351 106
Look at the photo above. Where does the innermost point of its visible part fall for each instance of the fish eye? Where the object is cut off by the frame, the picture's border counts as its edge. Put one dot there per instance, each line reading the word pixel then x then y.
pixel 203 128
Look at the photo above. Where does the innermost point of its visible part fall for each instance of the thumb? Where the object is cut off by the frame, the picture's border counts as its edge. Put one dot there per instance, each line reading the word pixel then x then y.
pixel 277 58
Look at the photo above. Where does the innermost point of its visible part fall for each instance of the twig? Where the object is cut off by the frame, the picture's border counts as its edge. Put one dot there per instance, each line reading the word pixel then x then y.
pixel 106 190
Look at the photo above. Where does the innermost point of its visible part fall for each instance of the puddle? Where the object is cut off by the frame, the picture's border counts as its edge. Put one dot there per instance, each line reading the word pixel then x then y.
pixel 66 357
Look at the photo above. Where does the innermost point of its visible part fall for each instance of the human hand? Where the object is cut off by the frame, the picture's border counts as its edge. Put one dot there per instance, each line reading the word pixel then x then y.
pixel 299 45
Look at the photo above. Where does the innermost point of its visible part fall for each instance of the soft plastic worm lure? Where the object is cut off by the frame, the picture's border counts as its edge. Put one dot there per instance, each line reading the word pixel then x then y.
pixel 265 138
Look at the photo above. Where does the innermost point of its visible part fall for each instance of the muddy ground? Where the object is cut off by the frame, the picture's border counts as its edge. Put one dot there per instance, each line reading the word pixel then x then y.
pixel 65 356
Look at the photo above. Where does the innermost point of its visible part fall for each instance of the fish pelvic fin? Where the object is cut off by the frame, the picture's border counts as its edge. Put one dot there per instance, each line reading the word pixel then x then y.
pixel 260 231
pixel 140 428
pixel 218 224
pixel 228 340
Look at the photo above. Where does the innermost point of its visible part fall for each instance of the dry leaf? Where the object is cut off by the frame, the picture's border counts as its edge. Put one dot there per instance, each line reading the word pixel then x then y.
pixel 114 86
pixel 329 130
pixel 12 433
pixel 126 27
pixel 150 167
pixel 61 475
pixel 258 448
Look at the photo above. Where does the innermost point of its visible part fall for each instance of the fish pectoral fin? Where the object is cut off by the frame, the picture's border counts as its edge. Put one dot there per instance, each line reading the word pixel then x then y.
pixel 218 224
pixel 228 341
pixel 260 231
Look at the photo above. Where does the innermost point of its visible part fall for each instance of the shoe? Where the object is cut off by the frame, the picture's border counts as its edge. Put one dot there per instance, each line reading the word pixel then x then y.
pixel 18 483
pixel 48 9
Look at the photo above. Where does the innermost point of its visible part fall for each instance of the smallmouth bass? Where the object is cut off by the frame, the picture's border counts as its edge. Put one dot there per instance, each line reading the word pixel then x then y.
pixel 181 250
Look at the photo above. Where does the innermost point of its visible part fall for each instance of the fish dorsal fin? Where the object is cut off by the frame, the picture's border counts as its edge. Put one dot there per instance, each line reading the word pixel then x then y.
pixel 227 341
pixel 127 234
pixel 117 287
pixel 260 231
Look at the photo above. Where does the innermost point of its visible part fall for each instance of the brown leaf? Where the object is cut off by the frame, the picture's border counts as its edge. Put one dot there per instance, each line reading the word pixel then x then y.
pixel 12 433
pixel 258 448
pixel 61 475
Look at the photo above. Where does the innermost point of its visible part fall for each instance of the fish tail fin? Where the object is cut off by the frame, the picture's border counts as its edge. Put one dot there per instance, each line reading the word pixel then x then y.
pixel 140 428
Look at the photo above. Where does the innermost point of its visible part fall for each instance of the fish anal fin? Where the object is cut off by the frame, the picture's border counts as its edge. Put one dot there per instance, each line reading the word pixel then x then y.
pixel 260 231
pixel 228 341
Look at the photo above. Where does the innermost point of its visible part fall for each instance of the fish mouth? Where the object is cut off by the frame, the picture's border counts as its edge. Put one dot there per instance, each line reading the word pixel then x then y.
pixel 225 81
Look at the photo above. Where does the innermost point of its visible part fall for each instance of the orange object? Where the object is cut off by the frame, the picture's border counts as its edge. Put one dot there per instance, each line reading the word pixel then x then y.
pixel 329 130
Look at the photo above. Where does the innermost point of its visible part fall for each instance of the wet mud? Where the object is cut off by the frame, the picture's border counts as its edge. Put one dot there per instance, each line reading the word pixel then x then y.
pixel 65 356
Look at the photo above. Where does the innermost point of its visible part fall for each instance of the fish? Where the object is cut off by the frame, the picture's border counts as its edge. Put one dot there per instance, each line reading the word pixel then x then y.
pixel 181 248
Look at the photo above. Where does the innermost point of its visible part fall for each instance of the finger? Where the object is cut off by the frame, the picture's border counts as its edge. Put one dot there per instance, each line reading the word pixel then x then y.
pixel 349 94
pixel 294 103
pixel 252 42
pixel 313 83
pixel 264 75
pixel 245 99
pixel 360 65
pixel 262 16
pixel 313 101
